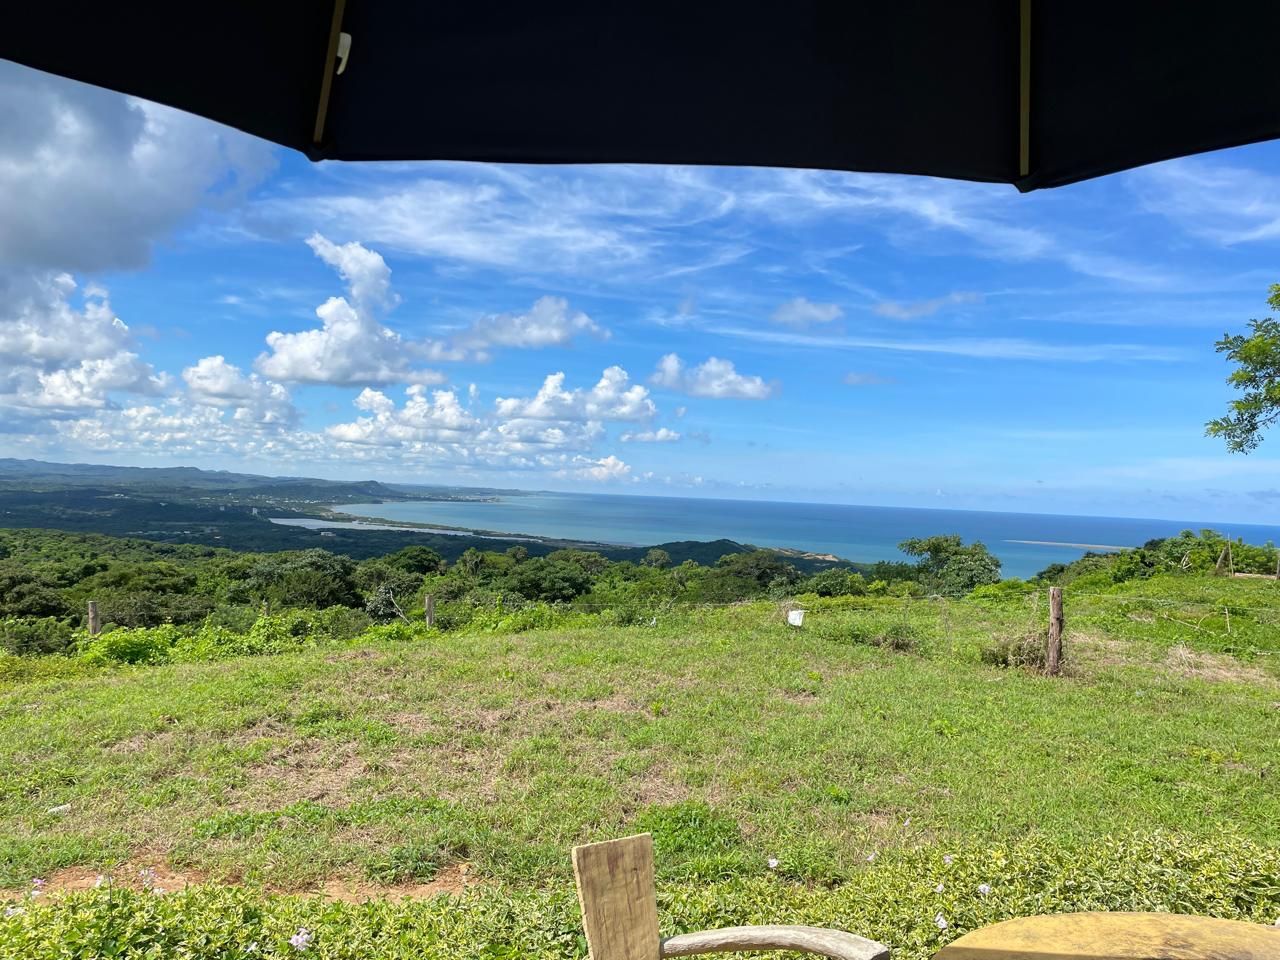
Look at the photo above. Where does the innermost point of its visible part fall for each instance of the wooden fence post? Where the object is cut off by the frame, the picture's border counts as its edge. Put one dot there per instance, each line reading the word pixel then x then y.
pixel 1053 658
pixel 431 610
pixel 95 619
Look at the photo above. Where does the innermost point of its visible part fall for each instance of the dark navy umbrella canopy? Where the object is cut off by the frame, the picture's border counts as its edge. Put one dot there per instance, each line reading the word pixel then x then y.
pixel 1037 93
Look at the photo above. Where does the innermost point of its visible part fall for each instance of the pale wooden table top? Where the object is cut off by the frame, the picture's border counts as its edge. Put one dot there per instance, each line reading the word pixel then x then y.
pixel 1117 936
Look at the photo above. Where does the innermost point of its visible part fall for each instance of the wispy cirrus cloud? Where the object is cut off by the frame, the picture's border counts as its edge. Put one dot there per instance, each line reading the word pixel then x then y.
pixel 801 312
pixel 914 309
pixel 856 379
pixel 1219 202
pixel 983 348
pixel 565 220
pixel 986 217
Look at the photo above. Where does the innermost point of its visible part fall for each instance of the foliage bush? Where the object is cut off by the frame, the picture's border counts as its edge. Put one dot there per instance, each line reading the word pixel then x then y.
pixel 948 567
pixel 836 582
pixel 1006 591
pixel 506 619
pixel 895 900
pixel 36 636
pixel 269 634
pixel 130 645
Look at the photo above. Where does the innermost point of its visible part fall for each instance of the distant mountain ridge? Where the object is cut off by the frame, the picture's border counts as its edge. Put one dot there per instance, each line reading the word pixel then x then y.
pixel 42 473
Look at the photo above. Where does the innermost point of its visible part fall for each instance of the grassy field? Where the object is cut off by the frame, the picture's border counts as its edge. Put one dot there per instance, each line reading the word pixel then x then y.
pixel 857 752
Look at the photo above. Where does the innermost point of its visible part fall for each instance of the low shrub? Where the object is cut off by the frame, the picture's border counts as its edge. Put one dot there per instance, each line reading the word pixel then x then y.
pixel 876 631
pixel 899 635
pixel 1028 650
pixel 131 645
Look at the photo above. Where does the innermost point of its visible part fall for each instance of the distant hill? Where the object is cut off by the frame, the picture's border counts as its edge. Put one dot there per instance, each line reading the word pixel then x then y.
pixel 43 475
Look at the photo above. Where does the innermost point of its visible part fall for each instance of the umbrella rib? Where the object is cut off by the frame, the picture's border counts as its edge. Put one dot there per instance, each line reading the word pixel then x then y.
pixel 1024 89
pixel 326 82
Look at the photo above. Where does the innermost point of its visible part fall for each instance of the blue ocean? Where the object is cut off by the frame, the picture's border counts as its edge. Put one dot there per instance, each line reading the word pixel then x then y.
pixel 1024 542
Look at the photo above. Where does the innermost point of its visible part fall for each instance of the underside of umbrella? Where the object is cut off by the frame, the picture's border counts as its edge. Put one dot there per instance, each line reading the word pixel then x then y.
pixel 1037 93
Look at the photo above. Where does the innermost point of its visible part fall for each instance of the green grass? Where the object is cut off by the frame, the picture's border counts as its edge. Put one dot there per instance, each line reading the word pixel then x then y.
pixel 730 736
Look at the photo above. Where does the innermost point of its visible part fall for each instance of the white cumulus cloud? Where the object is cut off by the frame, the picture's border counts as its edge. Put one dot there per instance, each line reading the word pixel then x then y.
pixel 713 377
pixel 614 397
pixel 602 470
pixel 549 322
pixel 213 381
pixel 352 347
pixel 58 356
pixel 90 179
pixel 661 435
pixel 434 418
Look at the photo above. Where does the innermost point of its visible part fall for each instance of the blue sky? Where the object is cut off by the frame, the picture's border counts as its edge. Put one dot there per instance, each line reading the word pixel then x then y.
pixel 175 292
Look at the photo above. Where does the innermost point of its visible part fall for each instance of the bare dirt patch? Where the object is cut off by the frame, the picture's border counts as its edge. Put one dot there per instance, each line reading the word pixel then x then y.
pixel 306 770
pixel 803 698
pixel 653 787
pixel 453 879
pixel 138 874
pixel 616 703
pixel 160 878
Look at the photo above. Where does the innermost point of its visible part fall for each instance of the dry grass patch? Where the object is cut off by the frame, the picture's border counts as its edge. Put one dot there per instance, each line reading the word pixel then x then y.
pixel 306 770
pixel 1217 667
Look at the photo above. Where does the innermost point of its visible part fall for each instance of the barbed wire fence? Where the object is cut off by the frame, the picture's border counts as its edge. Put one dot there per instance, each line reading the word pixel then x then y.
pixel 1242 629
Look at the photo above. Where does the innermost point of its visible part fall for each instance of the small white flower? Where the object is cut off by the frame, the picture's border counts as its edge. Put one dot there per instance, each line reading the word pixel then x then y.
pixel 773 863
pixel 871 856
pixel 157 890
pixel 302 939
pixel 99 881
pixel 941 921
pixel 948 859
pixel 906 822
pixel 984 888
pixel 939 888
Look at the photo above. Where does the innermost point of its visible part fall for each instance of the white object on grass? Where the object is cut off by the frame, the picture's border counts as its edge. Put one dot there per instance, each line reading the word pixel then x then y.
pixel 795 618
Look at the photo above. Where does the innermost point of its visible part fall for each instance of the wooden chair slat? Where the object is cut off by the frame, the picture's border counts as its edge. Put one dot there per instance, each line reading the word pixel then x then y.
pixel 619 902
